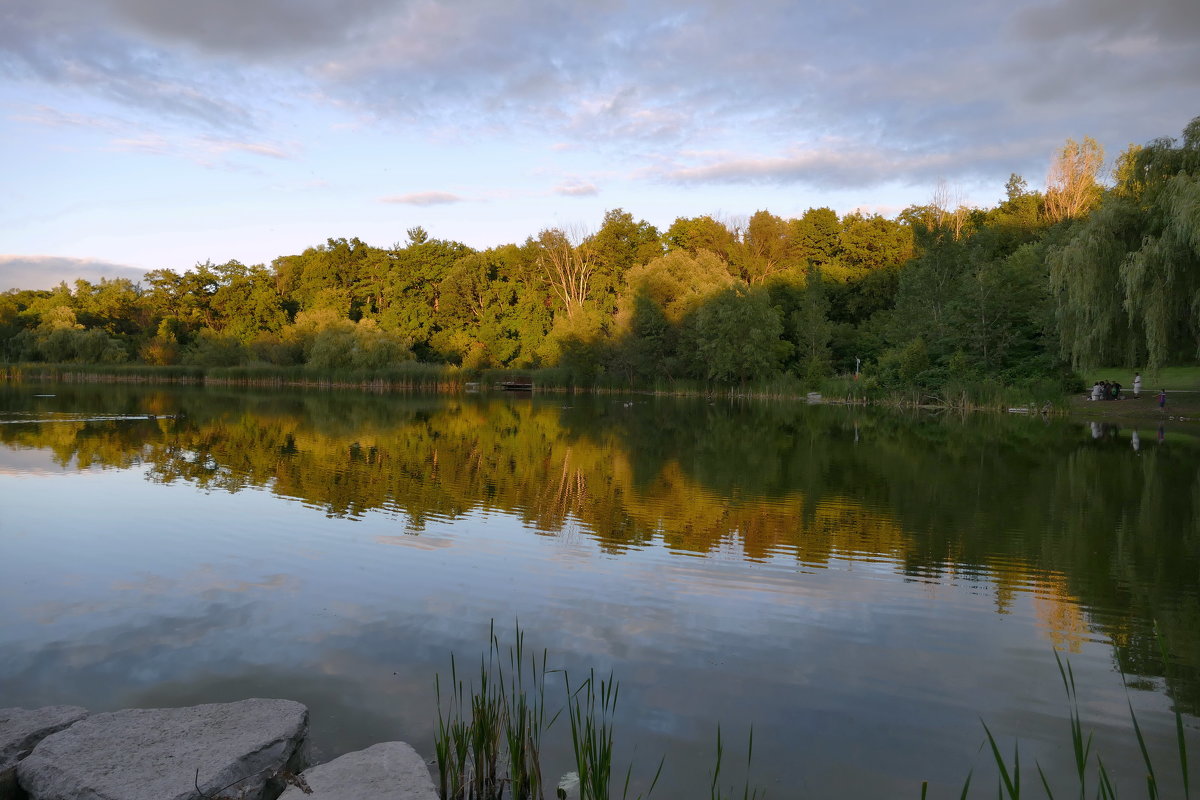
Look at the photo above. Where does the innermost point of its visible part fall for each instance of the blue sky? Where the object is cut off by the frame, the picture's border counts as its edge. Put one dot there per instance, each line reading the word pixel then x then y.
pixel 139 134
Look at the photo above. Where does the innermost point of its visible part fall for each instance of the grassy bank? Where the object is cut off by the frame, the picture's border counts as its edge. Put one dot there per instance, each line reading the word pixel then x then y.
pixel 1043 395
pixel 1173 379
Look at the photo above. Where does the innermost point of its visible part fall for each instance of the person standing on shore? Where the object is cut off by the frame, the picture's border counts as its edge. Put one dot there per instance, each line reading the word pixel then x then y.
pixel 1137 384
pixel 1162 399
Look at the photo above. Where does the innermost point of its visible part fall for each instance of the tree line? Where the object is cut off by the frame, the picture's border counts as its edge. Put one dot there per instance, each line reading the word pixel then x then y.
pixel 1093 270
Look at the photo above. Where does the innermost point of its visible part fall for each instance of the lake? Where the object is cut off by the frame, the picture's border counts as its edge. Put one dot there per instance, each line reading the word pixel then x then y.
pixel 859 587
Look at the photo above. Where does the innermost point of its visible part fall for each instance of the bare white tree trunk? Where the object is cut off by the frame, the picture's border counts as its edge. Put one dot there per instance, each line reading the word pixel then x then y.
pixel 568 267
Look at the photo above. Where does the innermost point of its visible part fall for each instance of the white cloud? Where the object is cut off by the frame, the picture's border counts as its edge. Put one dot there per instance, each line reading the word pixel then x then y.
pixel 424 199
pixel 46 272
pixel 577 189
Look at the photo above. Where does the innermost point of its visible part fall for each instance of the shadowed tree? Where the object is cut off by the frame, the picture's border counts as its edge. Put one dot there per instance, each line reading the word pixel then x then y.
pixel 812 329
pixel 736 336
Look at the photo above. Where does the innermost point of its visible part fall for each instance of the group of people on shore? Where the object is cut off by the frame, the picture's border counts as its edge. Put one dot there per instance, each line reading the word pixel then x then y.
pixel 1111 390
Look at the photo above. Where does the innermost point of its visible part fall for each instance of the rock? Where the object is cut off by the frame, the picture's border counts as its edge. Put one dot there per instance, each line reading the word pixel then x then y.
pixel 392 770
pixel 154 754
pixel 21 729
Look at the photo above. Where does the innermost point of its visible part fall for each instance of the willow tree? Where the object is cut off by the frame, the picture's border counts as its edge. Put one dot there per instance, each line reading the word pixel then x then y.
pixel 1161 278
pixel 1085 276
pixel 1127 278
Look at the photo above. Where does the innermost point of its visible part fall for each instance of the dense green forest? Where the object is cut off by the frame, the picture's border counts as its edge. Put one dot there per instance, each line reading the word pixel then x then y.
pixel 1094 270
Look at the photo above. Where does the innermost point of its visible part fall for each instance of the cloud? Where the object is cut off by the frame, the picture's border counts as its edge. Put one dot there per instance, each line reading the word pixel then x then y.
pixel 905 85
pixel 424 199
pixel 831 165
pixel 51 117
pixel 221 146
pixel 261 29
pixel 83 46
pixel 204 150
pixel 576 189
pixel 46 272
pixel 1165 21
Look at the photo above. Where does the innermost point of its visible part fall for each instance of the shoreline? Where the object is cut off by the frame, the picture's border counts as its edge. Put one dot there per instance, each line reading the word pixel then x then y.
pixel 1182 407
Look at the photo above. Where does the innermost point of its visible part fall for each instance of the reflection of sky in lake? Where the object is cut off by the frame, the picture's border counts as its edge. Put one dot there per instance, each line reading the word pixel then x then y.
pixel 119 591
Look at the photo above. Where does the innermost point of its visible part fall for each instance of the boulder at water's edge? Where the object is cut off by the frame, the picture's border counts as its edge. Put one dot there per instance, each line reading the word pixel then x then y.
pixel 391 769
pixel 154 754
pixel 20 731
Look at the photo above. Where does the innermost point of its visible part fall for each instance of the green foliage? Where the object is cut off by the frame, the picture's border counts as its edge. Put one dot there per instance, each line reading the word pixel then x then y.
pixel 358 345
pixel 698 234
pixel 1161 279
pixel 1143 241
pixel 676 283
pixel 1011 294
pixel 648 348
pixel 735 337
pixel 212 349
pixel 813 330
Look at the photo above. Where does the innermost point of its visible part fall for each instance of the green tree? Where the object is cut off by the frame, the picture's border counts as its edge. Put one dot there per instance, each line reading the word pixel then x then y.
pixel 812 329
pixel 735 336
pixel 1144 241
pixel 677 283
pixel 620 244
pixel 694 234
pixel 765 249
pixel 815 237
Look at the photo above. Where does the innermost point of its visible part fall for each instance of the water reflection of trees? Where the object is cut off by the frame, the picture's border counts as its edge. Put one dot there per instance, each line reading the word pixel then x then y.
pixel 1020 504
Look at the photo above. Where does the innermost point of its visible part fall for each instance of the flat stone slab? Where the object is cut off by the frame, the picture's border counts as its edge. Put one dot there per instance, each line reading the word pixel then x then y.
pixel 154 754
pixel 390 770
pixel 21 729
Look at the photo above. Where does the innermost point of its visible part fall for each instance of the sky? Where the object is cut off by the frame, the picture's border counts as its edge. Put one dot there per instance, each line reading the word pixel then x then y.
pixel 143 134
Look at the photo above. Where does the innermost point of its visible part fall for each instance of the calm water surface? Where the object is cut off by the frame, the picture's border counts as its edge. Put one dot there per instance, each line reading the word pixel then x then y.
pixel 861 588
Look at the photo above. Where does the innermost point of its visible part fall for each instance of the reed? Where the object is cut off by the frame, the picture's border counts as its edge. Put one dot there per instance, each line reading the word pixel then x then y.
pixel 103 373
pixel 489 732
pixel 1083 754
pixel 526 719
pixel 715 790
pixel 591 708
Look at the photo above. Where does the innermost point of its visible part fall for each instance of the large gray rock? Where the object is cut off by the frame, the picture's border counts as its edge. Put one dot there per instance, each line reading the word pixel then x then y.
pixel 154 754
pixel 21 729
pixel 390 770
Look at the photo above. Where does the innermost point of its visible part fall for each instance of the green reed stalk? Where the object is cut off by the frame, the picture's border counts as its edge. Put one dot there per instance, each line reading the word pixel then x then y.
pixel 489 733
pixel 715 792
pixel 1081 747
pixel 525 721
pixel 1011 784
pixel 592 734
pixel 1179 738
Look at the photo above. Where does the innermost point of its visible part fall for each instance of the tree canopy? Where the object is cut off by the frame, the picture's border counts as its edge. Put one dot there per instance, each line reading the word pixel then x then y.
pixel 1082 274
